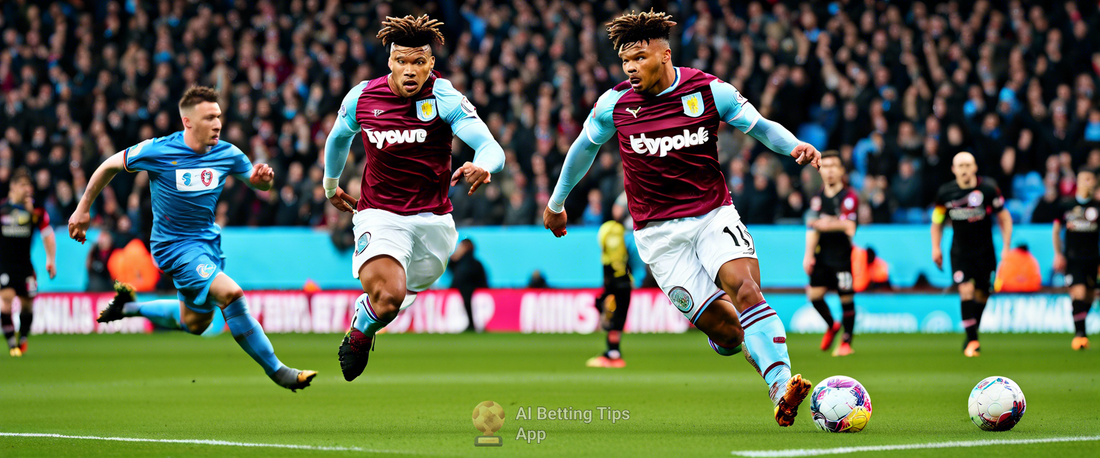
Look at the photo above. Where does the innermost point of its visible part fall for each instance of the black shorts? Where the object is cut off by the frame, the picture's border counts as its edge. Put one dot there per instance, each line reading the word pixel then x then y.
pixel 836 277
pixel 1082 272
pixel 23 281
pixel 978 269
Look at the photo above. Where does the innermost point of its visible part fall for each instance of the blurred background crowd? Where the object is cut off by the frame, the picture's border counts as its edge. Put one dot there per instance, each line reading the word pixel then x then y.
pixel 897 87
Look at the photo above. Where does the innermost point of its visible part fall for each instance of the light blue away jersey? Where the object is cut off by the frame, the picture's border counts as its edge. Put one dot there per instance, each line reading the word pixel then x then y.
pixel 185 185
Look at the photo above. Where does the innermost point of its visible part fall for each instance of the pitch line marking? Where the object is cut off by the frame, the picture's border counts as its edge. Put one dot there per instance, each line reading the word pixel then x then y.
pixel 885 448
pixel 324 448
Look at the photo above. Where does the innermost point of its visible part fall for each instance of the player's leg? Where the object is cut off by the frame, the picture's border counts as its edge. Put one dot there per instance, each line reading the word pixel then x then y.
pixel 163 312
pixel 7 295
pixel 26 318
pixel 727 251
pixel 848 310
pixel 815 293
pixel 384 250
pixel 613 305
pixel 226 294
pixel 969 306
pixel 1082 292
pixel 765 337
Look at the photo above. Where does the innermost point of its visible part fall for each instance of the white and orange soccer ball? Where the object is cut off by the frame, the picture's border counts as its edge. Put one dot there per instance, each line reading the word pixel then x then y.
pixel 840 405
pixel 996 404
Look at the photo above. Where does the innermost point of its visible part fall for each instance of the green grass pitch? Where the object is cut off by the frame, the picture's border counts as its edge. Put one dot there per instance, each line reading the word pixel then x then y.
pixel 417 395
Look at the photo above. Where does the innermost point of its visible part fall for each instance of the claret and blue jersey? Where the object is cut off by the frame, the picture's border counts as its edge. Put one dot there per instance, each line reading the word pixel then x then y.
pixel 185 187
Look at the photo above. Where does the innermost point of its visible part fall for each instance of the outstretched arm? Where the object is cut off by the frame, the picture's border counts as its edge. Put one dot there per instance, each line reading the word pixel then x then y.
pixel 81 218
pixel 337 146
pixel 488 155
pixel 738 112
pixel 577 162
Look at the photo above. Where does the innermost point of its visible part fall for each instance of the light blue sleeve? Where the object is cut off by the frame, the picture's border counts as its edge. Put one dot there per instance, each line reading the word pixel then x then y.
pixel 598 128
pixel 343 132
pixel 240 163
pixel 454 108
pixel 736 111
pixel 487 152
pixel 145 157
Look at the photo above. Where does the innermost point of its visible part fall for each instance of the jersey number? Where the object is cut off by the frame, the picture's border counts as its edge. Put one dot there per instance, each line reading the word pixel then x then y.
pixel 746 240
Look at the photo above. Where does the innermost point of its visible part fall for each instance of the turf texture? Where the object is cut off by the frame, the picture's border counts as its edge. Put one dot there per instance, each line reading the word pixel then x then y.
pixel 417 395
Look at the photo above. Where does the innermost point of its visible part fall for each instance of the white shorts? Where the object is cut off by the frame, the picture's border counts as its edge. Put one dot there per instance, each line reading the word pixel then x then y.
pixel 686 253
pixel 422 243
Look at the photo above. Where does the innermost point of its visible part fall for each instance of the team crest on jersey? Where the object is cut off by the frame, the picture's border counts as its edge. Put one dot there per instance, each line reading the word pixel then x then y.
pixel 425 109
pixel 206 176
pixel 681 298
pixel 975 198
pixel 693 104
pixel 378 112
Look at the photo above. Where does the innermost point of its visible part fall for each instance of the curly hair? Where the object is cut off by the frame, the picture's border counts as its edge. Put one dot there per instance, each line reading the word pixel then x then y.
pixel 637 27
pixel 410 31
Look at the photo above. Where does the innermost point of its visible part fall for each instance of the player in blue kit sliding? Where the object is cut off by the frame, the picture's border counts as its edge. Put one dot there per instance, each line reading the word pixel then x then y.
pixel 186 173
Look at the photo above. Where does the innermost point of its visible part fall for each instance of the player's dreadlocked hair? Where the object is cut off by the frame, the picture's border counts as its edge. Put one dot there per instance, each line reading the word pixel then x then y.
pixel 409 31
pixel 637 27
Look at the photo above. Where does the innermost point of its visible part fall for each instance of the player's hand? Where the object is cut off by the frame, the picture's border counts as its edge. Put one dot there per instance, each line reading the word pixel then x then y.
pixel 554 221
pixel 262 177
pixel 78 225
pixel 475 175
pixel 343 201
pixel 937 257
pixel 1059 262
pixel 805 153
pixel 808 264
pixel 51 269
pixel 28 204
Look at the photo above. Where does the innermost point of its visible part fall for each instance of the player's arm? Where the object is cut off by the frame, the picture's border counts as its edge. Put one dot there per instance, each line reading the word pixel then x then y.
pixel 736 111
pixel 598 129
pixel 81 217
pixel 337 146
pixel 1005 220
pixel 938 215
pixel 260 177
pixel 1056 236
pixel 831 224
pixel 49 241
pixel 457 111
pixel 808 261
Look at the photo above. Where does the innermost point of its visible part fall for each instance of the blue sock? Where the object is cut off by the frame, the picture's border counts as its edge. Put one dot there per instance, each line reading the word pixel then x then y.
pixel 250 336
pixel 164 313
pixel 365 319
pixel 766 342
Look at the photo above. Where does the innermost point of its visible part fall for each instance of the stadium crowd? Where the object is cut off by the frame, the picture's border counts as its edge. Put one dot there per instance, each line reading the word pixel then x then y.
pixel 896 87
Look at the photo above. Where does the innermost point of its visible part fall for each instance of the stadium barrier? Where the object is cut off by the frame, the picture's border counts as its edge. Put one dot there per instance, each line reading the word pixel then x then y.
pixel 286 258
pixel 537 311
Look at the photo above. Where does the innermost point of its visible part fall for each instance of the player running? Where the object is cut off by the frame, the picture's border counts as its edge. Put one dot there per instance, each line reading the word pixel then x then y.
pixel 971 202
pixel 614 302
pixel 403 227
pixel 831 224
pixel 1081 258
pixel 186 173
pixel 18 220
pixel 685 225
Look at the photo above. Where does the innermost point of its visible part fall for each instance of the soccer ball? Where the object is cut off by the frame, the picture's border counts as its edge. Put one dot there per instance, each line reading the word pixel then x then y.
pixel 996 404
pixel 840 405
